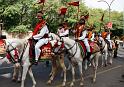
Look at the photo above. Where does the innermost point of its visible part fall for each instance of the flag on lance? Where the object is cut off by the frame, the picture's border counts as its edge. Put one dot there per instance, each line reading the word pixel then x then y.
pixel 109 25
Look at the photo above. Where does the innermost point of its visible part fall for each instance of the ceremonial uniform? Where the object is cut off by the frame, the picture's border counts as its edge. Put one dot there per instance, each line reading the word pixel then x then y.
pixel 63 30
pixel 41 34
pixel 91 36
pixel 91 33
pixel 106 36
pixel 63 33
pixel 83 36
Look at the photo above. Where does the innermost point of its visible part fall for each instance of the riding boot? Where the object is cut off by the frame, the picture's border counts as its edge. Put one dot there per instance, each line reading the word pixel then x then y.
pixel 88 56
pixel 110 48
pixel 36 62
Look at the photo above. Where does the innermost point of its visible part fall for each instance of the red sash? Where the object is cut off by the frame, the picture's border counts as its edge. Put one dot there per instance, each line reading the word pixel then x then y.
pixel 38 27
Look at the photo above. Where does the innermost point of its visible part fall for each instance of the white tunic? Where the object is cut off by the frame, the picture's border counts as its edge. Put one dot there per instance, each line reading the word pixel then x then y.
pixel 43 31
pixel 63 32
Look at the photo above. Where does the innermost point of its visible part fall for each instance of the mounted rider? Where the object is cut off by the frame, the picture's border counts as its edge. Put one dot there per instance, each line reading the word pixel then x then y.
pixel 106 35
pixel 83 36
pixel 91 33
pixel 63 30
pixel 40 33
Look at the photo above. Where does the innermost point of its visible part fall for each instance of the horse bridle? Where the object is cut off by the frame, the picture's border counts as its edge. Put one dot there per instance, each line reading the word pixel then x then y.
pixel 9 52
pixel 67 50
pixel 14 48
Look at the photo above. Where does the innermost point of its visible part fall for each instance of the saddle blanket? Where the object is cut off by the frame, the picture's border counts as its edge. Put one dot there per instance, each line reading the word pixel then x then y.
pixel 46 51
pixel 2 47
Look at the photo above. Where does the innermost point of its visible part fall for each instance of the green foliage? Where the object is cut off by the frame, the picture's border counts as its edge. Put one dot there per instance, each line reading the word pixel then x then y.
pixel 19 29
pixel 20 15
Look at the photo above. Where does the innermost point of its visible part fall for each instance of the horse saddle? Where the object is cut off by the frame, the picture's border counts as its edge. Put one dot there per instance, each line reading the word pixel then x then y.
pixel 46 50
pixel 2 46
pixel 93 47
pixel 84 47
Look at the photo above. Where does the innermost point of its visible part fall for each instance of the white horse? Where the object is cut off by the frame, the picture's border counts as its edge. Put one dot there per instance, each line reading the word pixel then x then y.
pixel 76 57
pixel 106 53
pixel 10 46
pixel 27 65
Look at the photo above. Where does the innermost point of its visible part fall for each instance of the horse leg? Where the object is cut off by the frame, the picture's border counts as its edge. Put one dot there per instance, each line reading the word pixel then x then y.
pixel 81 73
pixel 95 60
pixel 110 57
pixel 53 72
pixel 19 74
pixel 94 75
pixel 32 76
pixel 24 73
pixel 106 57
pixel 73 76
pixel 61 60
pixel 69 67
pixel 103 58
pixel 85 64
pixel 14 74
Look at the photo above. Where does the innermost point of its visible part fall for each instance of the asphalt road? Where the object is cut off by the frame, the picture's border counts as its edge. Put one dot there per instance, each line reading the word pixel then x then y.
pixel 109 76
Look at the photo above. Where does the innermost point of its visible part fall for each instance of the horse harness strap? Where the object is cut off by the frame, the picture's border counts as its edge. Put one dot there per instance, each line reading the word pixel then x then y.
pixel 9 56
pixel 25 46
pixel 75 52
pixel 71 48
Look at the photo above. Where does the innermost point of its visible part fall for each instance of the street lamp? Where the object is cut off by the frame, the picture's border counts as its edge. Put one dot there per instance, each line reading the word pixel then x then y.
pixel 109 5
pixel 123 20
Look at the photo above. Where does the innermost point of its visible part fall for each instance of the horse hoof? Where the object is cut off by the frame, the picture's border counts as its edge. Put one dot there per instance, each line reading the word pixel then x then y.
pixel 105 65
pixel 110 63
pixel 81 85
pixel 94 80
pixel 63 85
pixel 72 85
pixel 19 81
pixel 13 80
pixel 49 82
pixel 33 86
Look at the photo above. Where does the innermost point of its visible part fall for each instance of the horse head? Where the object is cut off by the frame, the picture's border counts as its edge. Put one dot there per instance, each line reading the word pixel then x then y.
pixel 57 43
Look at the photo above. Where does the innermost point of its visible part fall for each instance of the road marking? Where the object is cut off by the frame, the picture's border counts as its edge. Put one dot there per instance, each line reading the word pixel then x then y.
pixel 7 75
pixel 6 67
pixel 98 73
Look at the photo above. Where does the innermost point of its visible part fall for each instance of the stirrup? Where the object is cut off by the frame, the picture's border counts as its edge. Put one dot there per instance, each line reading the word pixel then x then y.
pixel 36 62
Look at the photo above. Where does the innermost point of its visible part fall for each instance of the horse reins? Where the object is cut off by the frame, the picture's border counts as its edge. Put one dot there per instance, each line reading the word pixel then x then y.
pixel 8 51
pixel 71 48
pixel 20 59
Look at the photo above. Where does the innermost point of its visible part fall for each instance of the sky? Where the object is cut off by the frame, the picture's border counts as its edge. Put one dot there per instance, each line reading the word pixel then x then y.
pixel 117 5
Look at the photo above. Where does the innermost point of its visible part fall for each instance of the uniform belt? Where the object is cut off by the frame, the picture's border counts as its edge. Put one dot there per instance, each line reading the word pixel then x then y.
pixel 65 35
pixel 46 36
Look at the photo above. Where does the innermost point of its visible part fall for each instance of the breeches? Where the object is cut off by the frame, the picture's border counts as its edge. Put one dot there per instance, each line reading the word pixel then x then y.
pixel 40 43
pixel 86 44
